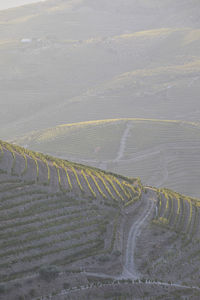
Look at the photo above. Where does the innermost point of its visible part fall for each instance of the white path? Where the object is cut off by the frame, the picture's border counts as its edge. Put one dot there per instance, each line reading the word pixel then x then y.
pixel 122 146
pixel 130 269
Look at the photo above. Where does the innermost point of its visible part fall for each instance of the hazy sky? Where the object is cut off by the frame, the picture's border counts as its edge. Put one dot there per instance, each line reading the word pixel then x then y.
pixel 4 4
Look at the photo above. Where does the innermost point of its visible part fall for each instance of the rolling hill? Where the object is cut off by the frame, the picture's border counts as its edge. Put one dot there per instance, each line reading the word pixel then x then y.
pixel 163 153
pixel 70 230
pixel 98 62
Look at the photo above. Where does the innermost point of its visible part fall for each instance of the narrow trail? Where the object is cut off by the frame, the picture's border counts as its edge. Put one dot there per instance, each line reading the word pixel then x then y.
pixel 129 270
pixel 135 231
pixel 121 150
pixel 86 287
pixel 122 146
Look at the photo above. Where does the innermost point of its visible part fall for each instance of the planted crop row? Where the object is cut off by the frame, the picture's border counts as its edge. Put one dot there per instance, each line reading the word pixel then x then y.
pixel 68 178
pixel 96 184
pixel 58 174
pixel 105 185
pixel 42 245
pixel 121 186
pixel 42 213
pixel 16 186
pixel 77 179
pixel 15 201
pixel 1 152
pixel 88 184
pixel 82 254
pixel 44 160
pixel 32 155
pixel 10 149
pixel 22 153
pixel 185 215
pixel 51 233
pixel 107 177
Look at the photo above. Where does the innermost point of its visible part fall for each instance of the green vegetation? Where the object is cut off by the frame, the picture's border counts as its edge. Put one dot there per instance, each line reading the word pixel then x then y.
pixel 171 142
pixel 71 203
pixel 177 212
pixel 48 273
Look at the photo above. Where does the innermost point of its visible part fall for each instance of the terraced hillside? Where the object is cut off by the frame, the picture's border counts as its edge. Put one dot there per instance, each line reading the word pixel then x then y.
pixel 56 212
pixel 175 247
pixel 69 227
pixel 163 153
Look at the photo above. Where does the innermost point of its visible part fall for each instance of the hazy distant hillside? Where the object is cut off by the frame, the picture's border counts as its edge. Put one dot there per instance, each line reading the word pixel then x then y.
pixel 70 61
pixel 162 153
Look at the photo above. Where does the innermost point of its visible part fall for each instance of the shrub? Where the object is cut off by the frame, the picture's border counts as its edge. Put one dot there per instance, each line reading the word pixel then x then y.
pixel 21 297
pixel 117 253
pixel 104 258
pixel 66 285
pixel 32 293
pixel 49 273
pixel 2 288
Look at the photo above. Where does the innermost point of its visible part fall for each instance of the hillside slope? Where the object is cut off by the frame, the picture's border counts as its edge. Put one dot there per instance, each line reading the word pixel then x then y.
pixel 163 153
pixel 106 60
pixel 66 226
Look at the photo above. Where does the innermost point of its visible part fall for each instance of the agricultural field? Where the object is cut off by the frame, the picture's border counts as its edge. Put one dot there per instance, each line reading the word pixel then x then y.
pixel 163 153
pixel 77 53
pixel 67 226
pixel 100 150
pixel 54 212
pixel 175 247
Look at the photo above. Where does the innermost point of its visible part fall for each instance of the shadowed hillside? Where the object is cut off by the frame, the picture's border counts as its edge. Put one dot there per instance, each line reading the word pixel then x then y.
pixel 52 207
pixel 86 229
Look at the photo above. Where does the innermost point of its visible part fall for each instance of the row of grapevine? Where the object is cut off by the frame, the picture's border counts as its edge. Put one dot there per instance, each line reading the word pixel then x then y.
pixel 96 184
pixel 88 184
pixel 42 158
pixel 2 152
pixel 25 159
pixel 113 186
pixel 180 212
pixel 10 149
pixel 107 177
pixel 33 156
pixel 77 178
pixel 105 185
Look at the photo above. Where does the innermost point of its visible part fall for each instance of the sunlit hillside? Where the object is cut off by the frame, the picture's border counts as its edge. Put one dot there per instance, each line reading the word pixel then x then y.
pixel 163 153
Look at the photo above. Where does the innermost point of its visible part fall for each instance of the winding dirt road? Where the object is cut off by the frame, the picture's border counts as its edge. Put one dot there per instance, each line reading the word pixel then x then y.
pixel 130 270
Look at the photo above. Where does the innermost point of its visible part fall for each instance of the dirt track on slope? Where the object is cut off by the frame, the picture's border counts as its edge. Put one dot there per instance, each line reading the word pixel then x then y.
pixel 130 270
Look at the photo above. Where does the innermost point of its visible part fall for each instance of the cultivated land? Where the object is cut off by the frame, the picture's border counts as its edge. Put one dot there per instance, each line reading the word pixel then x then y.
pixel 71 61
pixel 70 231
pixel 163 153
pixel 79 230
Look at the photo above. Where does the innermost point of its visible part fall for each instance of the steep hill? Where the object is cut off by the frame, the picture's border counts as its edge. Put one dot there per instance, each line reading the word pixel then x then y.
pixel 69 227
pixel 163 153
